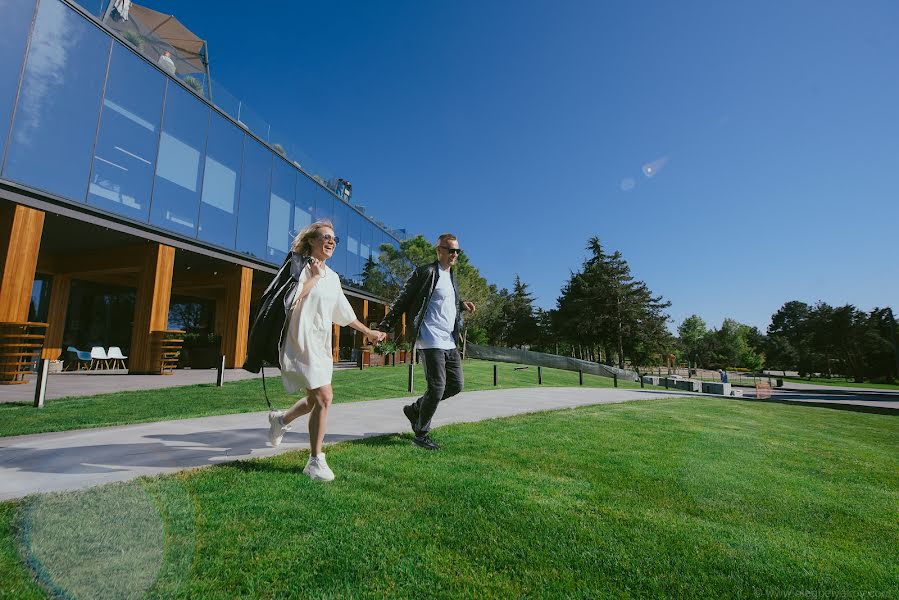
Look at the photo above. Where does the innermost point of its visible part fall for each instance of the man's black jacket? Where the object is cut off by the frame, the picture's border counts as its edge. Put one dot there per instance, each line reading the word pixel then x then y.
pixel 414 299
pixel 263 343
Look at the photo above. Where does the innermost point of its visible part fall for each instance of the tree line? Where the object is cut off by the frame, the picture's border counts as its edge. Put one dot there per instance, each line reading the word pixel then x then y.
pixel 605 314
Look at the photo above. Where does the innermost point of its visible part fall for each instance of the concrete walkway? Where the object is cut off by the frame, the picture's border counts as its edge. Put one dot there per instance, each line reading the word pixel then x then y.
pixel 78 459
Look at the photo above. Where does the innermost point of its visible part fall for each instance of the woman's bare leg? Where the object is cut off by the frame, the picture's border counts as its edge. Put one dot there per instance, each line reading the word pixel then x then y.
pixel 300 408
pixel 320 399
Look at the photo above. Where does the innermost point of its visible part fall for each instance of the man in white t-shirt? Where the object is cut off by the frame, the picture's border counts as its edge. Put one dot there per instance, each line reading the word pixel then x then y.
pixel 431 298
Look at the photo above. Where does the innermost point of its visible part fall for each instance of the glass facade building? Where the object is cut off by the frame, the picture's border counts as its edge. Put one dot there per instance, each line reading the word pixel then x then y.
pixel 88 121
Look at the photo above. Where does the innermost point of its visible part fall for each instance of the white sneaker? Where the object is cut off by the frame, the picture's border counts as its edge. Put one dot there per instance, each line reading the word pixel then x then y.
pixel 276 427
pixel 318 469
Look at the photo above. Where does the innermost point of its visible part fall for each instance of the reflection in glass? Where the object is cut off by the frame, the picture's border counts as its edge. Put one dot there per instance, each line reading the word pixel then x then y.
pixel 340 217
pixel 59 103
pixel 255 190
pixel 284 181
pixel 122 173
pixel 218 219
pixel 304 207
pixel 176 193
pixel 16 23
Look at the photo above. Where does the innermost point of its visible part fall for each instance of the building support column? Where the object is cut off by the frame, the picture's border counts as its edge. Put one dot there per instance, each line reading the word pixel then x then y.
pixel 335 342
pixel 56 316
pixel 239 286
pixel 21 228
pixel 151 307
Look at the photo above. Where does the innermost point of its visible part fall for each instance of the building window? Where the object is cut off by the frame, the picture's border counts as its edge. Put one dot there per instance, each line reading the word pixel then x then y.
pixel 182 148
pixel 125 153
pixel 221 181
pixel 59 103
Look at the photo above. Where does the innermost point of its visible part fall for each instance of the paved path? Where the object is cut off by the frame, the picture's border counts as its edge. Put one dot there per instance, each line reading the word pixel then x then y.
pixel 79 459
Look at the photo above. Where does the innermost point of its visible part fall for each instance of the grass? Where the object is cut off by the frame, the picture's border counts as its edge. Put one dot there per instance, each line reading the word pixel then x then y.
pixel 665 498
pixel 841 382
pixel 125 408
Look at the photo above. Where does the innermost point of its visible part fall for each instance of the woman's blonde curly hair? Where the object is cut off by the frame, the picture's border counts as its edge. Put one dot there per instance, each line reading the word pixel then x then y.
pixel 302 243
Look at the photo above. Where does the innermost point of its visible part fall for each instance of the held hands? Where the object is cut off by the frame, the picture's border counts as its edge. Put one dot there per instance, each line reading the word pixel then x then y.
pixel 376 337
pixel 469 306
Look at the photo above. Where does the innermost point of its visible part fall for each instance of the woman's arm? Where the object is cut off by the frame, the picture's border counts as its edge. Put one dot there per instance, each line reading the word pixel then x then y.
pixel 373 335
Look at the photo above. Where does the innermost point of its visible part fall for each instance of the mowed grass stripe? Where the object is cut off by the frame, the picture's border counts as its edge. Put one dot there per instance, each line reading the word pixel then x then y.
pixel 671 498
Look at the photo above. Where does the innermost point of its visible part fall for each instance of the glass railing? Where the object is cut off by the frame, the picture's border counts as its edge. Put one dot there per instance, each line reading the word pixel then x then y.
pixel 193 72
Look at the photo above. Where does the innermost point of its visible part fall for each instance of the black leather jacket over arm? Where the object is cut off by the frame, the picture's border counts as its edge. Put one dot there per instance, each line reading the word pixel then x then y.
pixel 263 342
pixel 414 299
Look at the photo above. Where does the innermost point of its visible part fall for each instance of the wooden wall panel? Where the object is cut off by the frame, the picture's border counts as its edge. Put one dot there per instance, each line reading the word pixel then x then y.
pixel 20 239
pixel 56 316
pixel 237 316
pixel 151 306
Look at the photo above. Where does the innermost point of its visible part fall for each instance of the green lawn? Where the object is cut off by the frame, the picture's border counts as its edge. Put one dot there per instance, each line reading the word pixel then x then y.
pixel 665 498
pixel 246 396
pixel 842 382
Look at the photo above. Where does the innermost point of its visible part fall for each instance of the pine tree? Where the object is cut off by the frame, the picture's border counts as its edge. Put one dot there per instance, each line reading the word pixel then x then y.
pixel 521 324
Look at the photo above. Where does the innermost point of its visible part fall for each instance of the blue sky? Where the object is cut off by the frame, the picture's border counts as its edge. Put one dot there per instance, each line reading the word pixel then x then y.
pixel 770 128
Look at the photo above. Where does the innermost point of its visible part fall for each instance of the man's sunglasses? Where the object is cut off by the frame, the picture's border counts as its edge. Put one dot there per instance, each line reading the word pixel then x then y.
pixel 330 238
pixel 451 250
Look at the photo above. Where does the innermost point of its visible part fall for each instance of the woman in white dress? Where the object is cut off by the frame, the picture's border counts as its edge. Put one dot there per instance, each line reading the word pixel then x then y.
pixel 306 361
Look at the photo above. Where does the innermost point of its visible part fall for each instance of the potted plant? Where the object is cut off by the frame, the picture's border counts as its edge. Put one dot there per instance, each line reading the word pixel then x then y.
pixel 194 84
pixel 381 352
pixel 404 349
pixel 135 39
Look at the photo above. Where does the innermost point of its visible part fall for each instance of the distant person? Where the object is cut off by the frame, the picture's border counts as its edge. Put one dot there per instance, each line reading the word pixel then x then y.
pixel 431 300
pixel 166 63
pixel 723 375
pixel 316 302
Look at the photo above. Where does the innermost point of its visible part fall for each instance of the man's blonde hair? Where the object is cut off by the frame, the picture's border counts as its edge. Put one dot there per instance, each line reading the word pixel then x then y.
pixel 446 237
pixel 302 243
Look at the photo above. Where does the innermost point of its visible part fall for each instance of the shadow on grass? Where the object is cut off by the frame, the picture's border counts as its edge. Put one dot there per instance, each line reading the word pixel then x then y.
pixel 372 440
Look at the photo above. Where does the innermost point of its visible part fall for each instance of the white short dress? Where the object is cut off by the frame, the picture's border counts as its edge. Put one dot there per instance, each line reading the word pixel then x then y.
pixel 306 361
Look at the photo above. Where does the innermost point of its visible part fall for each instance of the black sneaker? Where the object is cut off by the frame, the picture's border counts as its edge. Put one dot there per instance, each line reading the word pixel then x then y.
pixel 425 441
pixel 412 415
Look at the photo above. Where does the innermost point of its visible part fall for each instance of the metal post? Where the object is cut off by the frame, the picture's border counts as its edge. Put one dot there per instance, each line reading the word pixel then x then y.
pixel 411 375
pixel 40 385
pixel 220 376
pixel 666 383
pixel 361 362
pixel 539 375
pixel 580 376
pixel 615 378
pixel 494 375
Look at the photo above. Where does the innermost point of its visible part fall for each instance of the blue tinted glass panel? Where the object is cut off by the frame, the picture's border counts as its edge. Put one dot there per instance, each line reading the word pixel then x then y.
pixel 221 183
pixel 354 233
pixel 340 218
pixel 280 216
pixel 255 187
pixel 324 204
pixel 59 103
pixel 16 23
pixel 366 242
pixel 304 207
pixel 179 166
pixel 125 153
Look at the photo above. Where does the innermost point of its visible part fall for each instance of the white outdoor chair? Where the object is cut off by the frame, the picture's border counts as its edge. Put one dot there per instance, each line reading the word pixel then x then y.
pixel 116 356
pixel 98 357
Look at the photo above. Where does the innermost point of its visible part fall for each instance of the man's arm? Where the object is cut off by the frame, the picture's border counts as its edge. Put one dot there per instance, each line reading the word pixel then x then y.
pixel 402 302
